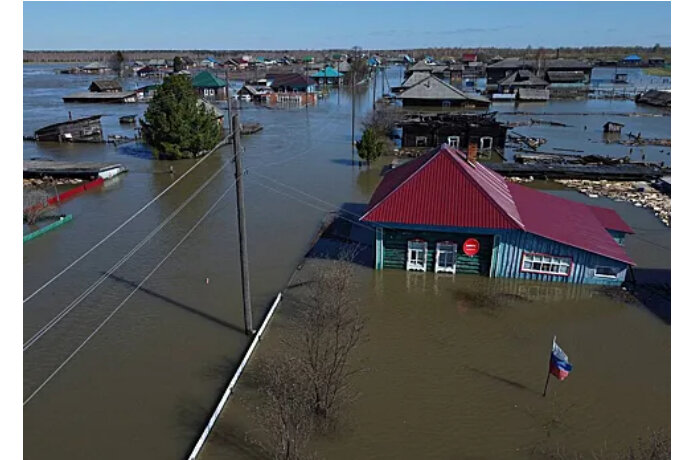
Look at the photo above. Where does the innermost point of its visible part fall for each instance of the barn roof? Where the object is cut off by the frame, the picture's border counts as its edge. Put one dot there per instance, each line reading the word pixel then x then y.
pixel 207 80
pixel 442 189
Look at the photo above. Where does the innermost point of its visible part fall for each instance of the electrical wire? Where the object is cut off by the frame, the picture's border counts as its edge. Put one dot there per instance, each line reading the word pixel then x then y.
pixel 56 319
pixel 122 225
pixel 121 304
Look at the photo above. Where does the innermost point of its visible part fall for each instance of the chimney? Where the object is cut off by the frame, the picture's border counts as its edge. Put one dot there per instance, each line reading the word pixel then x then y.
pixel 472 151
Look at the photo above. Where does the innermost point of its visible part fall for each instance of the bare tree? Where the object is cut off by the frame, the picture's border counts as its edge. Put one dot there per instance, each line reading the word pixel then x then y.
pixel 327 329
pixel 285 414
pixel 35 204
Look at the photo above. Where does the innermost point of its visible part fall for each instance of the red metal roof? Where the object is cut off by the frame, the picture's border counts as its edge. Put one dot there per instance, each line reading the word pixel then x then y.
pixel 441 188
pixel 565 221
pixel 610 219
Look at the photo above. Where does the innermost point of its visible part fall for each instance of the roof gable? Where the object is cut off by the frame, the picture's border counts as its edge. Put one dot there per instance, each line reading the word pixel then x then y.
pixel 432 88
pixel 441 189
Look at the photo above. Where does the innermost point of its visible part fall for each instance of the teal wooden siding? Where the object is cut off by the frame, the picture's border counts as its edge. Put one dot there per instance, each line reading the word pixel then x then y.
pixel 395 249
pixel 500 255
pixel 512 245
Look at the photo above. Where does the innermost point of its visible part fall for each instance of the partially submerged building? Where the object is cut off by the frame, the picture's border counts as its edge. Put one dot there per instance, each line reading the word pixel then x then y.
pixel 524 85
pixel 564 77
pixel 105 86
pixel 328 76
pixel 86 129
pixel 209 86
pixel 433 92
pixel 479 133
pixel 447 213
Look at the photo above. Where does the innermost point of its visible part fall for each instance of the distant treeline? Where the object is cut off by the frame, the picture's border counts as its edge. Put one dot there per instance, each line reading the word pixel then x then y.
pixel 590 53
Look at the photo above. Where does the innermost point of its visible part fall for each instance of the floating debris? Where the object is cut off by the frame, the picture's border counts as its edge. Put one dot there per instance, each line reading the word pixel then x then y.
pixel 640 194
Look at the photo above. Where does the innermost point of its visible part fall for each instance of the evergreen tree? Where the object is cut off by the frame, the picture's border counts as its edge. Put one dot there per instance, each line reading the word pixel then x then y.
pixel 177 126
pixel 371 146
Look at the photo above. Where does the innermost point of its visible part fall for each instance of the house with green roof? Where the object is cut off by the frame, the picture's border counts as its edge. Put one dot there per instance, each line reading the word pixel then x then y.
pixel 209 86
pixel 328 76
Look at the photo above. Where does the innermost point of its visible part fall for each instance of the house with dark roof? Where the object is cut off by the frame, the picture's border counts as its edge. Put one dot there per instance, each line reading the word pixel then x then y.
pixel 497 71
pixel 290 82
pixel 105 86
pixel 447 213
pixel 434 92
pixel 209 86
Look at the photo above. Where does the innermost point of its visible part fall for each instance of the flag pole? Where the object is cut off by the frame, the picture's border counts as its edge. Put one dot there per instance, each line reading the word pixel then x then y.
pixel 549 363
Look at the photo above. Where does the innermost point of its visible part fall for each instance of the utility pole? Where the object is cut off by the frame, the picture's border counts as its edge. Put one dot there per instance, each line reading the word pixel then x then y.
pixel 374 88
pixel 354 70
pixel 235 138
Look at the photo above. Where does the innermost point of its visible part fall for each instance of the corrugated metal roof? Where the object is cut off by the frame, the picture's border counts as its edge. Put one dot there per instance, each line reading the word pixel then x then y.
pixel 610 219
pixel 442 189
pixel 565 221
pixel 433 88
pixel 207 80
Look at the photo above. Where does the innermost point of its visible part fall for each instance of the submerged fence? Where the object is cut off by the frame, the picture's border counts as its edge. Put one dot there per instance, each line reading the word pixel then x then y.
pixel 224 397
pixel 48 228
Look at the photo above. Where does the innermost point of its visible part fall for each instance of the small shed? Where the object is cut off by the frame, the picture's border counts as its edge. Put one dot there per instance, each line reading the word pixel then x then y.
pixel 612 127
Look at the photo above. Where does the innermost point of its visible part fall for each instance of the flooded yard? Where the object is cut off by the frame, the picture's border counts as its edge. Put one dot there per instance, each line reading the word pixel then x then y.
pixel 454 365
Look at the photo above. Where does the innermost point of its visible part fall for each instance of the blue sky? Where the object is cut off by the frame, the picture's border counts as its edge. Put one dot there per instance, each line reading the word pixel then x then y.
pixel 324 25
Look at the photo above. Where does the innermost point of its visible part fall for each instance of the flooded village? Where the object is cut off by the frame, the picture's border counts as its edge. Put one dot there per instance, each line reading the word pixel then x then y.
pixel 442 253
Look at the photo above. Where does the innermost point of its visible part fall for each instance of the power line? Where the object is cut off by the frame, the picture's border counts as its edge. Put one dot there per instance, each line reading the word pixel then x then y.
pixel 121 304
pixel 312 205
pixel 48 326
pixel 122 225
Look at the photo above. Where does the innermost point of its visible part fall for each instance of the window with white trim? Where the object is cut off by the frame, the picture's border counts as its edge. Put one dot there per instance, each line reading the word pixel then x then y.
pixel 546 264
pixel 417 255
pixel 453 141
pixel 446 257
pixel 602 271
pixel 421 141
pixel 486 143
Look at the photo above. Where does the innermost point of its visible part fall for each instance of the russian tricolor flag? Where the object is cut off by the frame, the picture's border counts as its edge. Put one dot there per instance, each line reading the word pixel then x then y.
pixel 559 365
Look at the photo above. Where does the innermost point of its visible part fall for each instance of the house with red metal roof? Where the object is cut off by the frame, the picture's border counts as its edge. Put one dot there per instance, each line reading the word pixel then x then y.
pixel 445 212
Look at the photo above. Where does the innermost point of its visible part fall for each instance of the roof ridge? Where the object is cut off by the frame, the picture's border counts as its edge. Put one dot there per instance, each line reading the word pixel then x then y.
pixel 461 164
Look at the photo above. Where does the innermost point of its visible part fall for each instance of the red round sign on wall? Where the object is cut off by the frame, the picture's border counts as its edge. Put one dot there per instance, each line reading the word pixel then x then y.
pixel 471 247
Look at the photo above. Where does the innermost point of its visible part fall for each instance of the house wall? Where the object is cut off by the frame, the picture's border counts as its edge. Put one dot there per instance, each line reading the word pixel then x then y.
pixel 394 250
pixel 436 103
pixel 510 246
pixel 219 93
pixel 437 134
pixel 500 254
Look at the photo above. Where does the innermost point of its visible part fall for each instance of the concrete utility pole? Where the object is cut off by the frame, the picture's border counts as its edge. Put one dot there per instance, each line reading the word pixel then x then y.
pixel 235 133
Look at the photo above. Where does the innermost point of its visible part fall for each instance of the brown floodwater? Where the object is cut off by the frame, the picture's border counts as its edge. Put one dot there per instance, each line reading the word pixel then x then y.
pixel 144 385
pixel 454 366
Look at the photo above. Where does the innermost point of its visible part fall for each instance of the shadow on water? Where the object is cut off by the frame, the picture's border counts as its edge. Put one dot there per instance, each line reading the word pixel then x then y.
pixel 345 161
pixel 498 378
pixel 136 149
pixel 652 288
pixel 180 305
pixel 341 231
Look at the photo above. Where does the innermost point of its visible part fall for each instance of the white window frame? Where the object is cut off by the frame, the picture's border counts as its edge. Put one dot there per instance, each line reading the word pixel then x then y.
pixel 481 143
pixel 424 139
pixel 450 139
pixel 445 247
pixel 601 275
pixel 413 262
pixel 543 264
